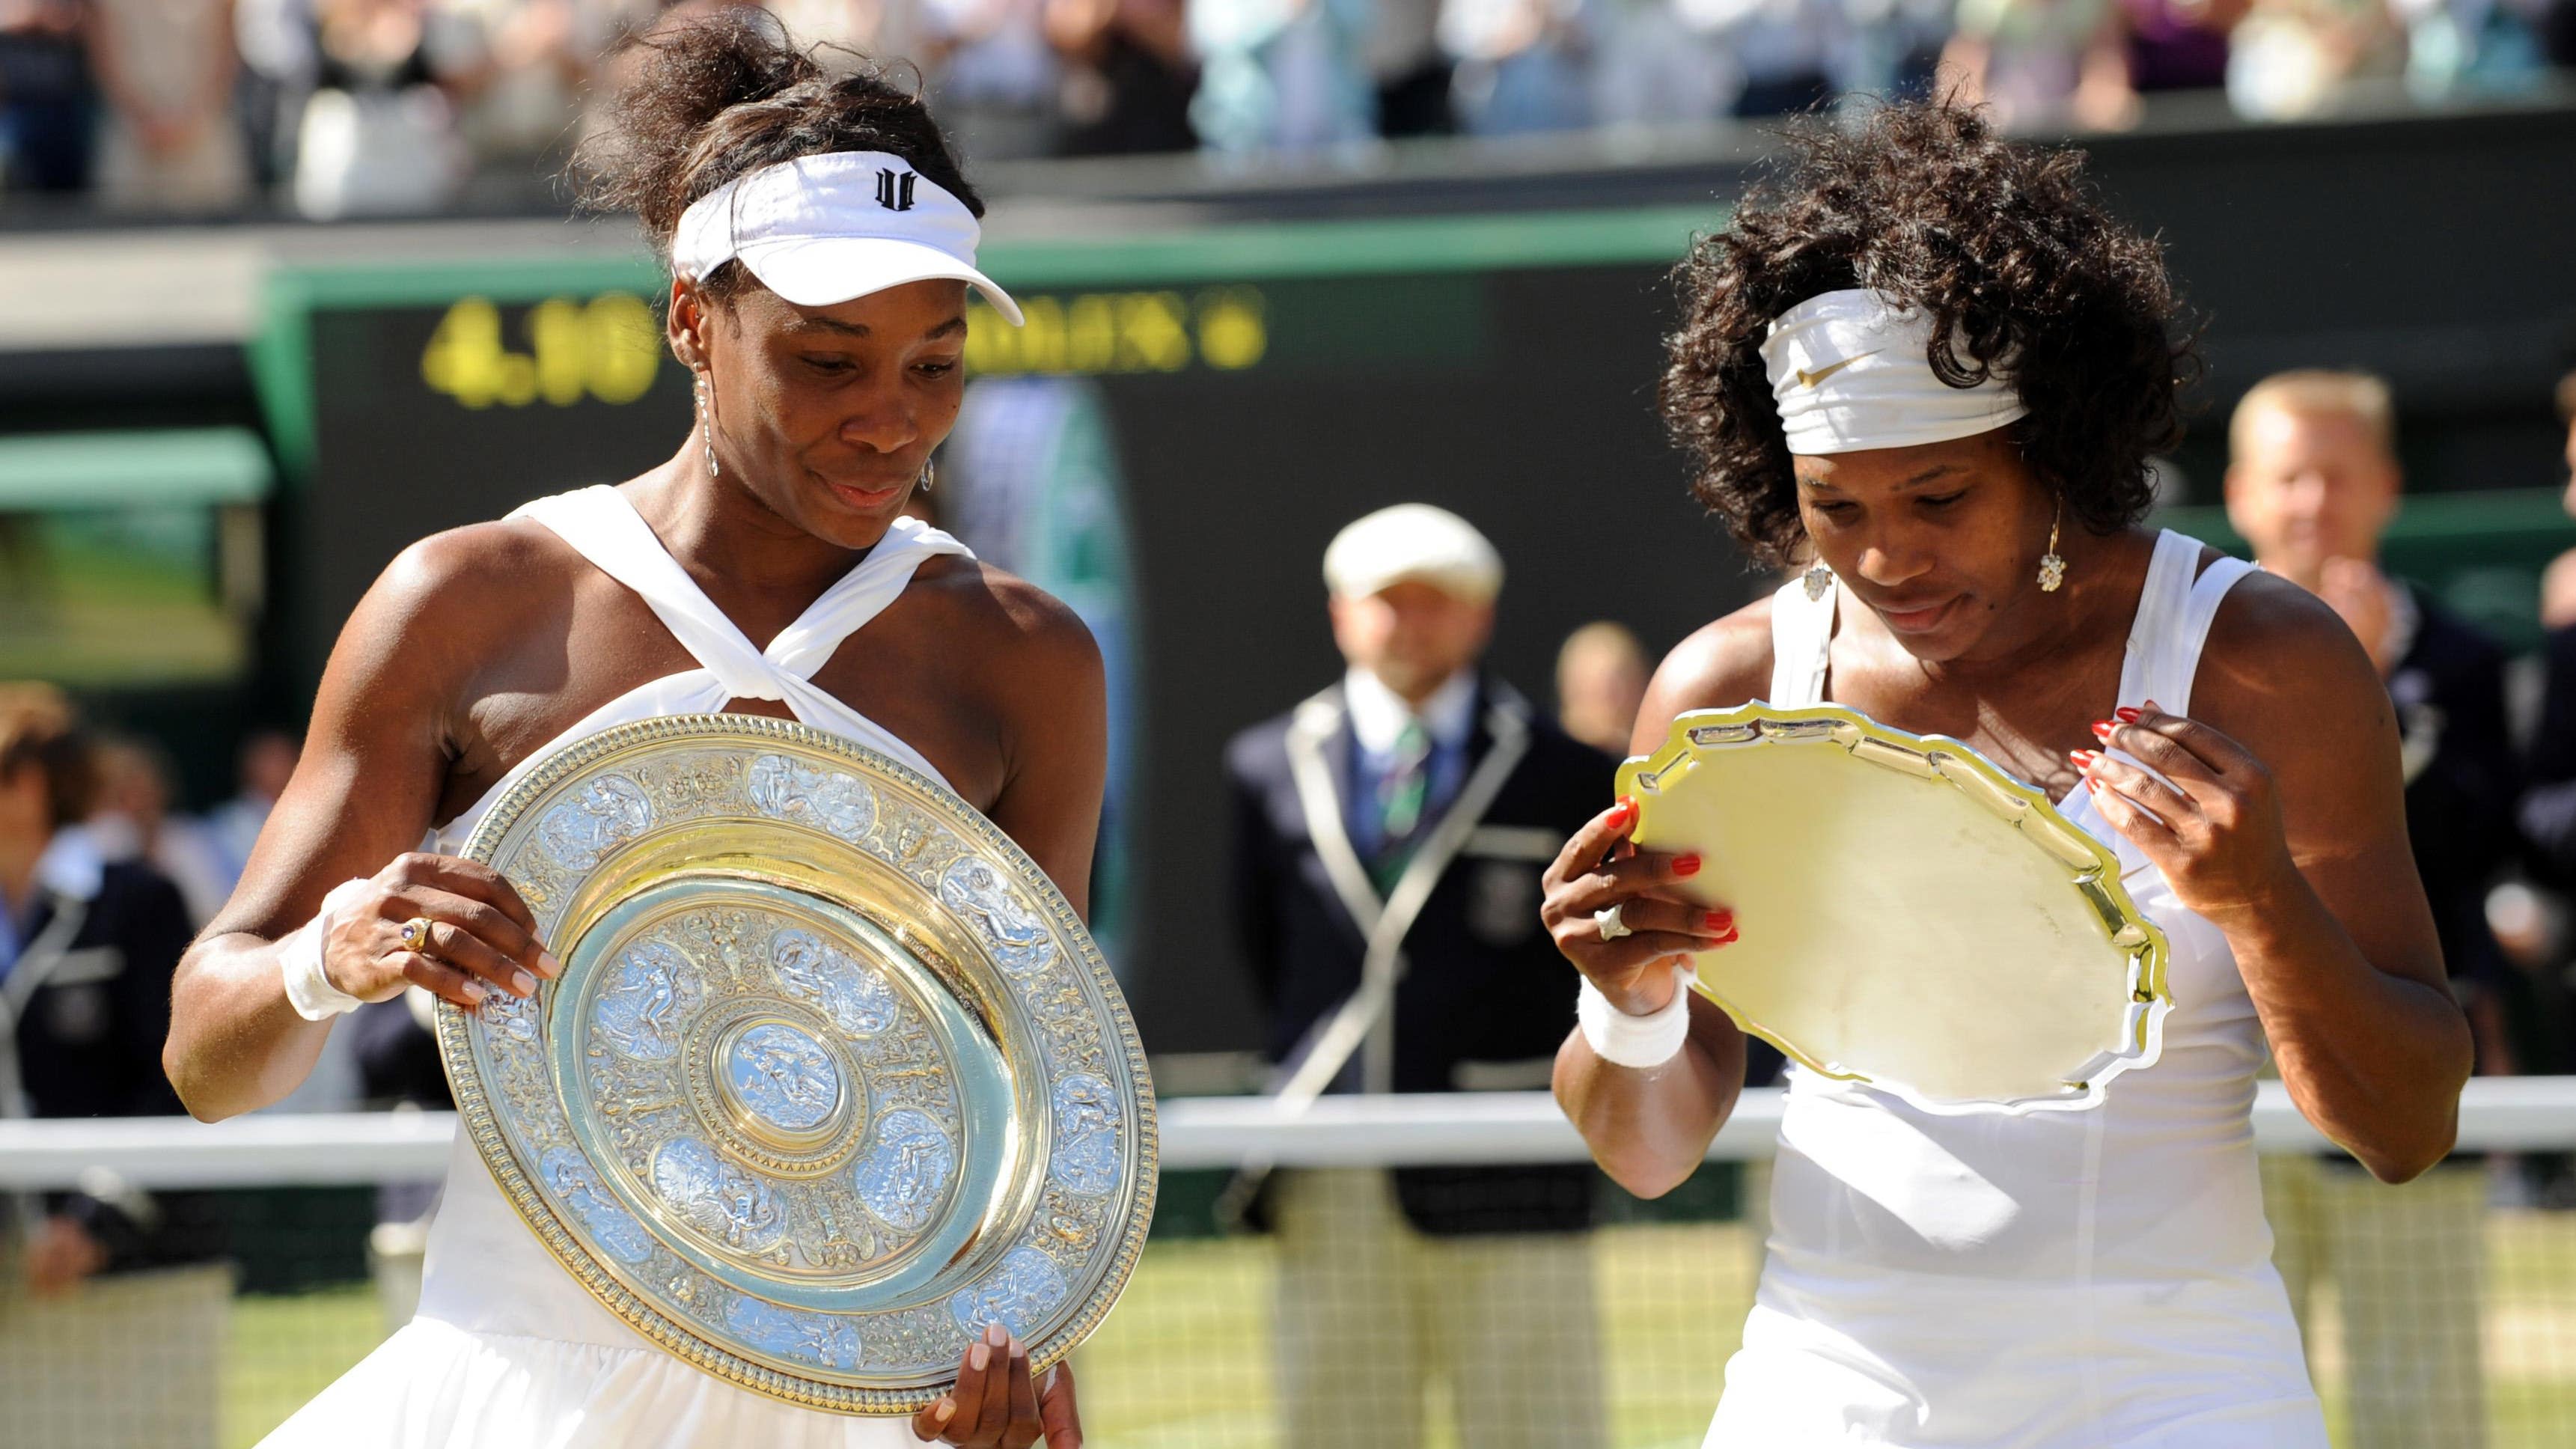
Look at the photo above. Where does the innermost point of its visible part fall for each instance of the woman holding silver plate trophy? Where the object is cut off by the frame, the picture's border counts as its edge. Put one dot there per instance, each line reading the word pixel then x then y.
pixel 2023 829
pixel 792 1088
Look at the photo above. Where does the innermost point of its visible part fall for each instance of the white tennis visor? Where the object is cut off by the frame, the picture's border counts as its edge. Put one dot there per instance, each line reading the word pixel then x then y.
pixel 820 230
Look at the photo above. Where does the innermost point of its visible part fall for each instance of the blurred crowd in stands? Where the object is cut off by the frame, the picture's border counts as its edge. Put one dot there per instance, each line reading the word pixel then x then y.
pixel 335 108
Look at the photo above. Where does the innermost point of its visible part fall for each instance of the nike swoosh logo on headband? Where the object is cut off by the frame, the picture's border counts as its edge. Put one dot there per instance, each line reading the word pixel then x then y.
pixel 1810 379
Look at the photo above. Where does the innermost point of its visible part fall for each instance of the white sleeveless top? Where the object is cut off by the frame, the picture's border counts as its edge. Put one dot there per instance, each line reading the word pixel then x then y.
pixel 2061 1280
pixel 508 1352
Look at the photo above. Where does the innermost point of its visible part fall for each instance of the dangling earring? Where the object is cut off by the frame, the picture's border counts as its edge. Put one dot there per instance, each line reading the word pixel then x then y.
pixel 2052 569
pixel 929 473
pixel 707 421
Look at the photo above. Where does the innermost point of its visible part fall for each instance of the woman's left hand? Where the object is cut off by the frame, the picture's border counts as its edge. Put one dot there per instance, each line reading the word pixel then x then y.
pixel 2216 832
pixel 997 1404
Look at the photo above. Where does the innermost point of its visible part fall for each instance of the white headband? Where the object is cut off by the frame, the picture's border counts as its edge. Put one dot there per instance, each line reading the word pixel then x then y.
pixel 1851 370
pixel 824 229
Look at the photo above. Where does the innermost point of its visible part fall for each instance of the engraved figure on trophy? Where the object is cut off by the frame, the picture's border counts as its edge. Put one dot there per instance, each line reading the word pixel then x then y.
pixel 1026 1286
pixel 650 994
pixel 718 1198
pixel 787 1333
pixel 974 888
pixel 1087 1118
pixel 577 1187
pixel 850 992
pixel 903 1178
pixel 609 812
pixel 783 1076
pixel 839 804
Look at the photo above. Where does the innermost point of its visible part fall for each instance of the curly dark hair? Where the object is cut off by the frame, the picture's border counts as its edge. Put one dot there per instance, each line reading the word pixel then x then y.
pixel 700 101
pixel 2009 250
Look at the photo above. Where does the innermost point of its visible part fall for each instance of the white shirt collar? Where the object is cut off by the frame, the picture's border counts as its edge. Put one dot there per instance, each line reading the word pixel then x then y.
pixel 1379 714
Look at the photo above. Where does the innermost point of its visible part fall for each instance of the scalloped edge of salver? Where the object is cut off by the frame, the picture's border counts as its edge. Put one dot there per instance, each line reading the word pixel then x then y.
pixel 483 1128
pixel 2094 871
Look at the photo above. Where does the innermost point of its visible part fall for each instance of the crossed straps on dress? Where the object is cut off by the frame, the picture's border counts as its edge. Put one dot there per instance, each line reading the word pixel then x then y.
pixel 603 527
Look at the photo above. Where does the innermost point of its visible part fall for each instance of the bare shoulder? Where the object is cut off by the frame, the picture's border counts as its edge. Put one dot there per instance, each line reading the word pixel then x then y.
pixel 998 610
pixel 490 569
pixel 2279 658
pixel 1722 663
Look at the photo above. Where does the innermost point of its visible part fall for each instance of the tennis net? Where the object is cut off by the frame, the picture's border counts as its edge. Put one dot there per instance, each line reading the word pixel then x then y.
pixel 1381 1253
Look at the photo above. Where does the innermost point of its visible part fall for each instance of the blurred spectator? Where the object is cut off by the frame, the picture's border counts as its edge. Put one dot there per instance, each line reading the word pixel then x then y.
pixel 171 141
pixel 994 80
pixel 1601 677
pixel 45 96
pixel 2312 482
pixel 87 948
pixel 1128 74
pixel 1521 64
pixel 1281 75
pixel 1655 69
pixel 2558 584
pixel 2287 58
pixel 132 822
pixel 1409 70
pixel 2044 62
pixel 378 135
pixel 2467 47
pixel 279 61
pixel 519 67
pixel 263 765
pixel 1388 838
pixel 2548 811
pixel 1784 53
pixel 2179 45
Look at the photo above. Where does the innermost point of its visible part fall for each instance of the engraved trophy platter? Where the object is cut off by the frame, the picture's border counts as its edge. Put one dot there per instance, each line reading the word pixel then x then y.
pixel 1911 917
pixel 832 1078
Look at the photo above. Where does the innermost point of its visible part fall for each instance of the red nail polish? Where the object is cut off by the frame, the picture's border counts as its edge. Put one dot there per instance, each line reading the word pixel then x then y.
pixel 1722 921
pixel 2102 729
pixel 1726 940
pixel 2084 758
pixel 1686 865
pixel 2125 715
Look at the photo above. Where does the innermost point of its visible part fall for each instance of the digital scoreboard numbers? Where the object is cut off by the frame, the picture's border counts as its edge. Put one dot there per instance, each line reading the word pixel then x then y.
pixel 607 347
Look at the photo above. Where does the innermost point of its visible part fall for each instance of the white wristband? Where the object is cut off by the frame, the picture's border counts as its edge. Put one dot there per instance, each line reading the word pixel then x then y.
pixel 308 987
pixel 1636 1041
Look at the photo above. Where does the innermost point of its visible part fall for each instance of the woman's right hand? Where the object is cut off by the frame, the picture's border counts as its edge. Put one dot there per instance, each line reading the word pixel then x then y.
pixel 1600 869
pixel 481 938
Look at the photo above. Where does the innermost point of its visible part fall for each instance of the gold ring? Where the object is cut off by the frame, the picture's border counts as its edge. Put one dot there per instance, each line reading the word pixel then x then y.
pixel 415 934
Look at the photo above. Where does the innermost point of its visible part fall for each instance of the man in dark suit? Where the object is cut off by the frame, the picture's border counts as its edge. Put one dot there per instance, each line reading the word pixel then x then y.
pixel 95 1282
pixel 2312 482
pixel 1389 833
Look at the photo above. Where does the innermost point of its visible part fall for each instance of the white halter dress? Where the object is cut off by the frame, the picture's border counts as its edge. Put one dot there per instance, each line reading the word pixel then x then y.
pixel 508 1351
pixel 2062 1280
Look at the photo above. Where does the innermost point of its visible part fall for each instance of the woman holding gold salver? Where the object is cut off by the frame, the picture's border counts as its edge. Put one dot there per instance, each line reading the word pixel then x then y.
pixel 1928 368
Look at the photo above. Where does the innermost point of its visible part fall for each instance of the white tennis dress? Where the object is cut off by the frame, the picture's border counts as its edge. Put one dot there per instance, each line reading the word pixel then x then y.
pixel 508 1351
pixel 2062 1280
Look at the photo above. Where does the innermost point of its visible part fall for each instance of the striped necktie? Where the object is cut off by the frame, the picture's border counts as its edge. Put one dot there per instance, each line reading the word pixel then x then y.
pixel 1401 793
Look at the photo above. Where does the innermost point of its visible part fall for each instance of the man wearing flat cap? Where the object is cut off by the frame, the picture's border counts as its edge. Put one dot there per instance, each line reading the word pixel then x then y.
pixel 1389 833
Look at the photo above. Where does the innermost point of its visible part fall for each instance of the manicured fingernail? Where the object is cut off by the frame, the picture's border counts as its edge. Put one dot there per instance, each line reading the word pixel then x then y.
pixel 978 1356
pixel 943 1411
pixel 475 990
pixel 2125 715
pixel 547 964
pixel 2084 758
pixel 523 983
pixel 2102 729
pixel 1728 939
pixel 1623 812
pixel 1720 921
pixel 1685 865
pixel 997 1335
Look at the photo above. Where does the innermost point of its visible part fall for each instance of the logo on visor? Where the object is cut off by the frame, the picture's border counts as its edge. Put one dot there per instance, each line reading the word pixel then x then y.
pixel 894 190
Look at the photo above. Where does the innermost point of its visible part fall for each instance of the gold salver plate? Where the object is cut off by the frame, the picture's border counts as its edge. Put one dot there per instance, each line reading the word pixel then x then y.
pixel 833 1076
pixel 1910 917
